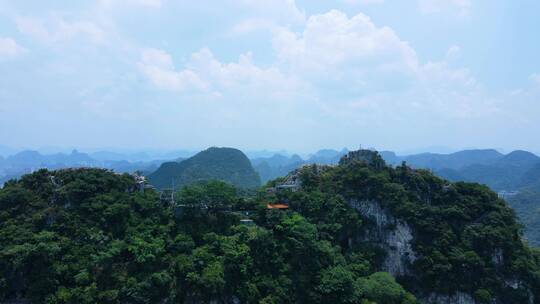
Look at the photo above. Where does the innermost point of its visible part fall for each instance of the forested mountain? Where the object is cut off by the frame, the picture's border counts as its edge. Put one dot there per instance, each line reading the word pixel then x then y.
pixel 35 159
pixel 504 173
pixel 531 177
pixel 327 156
pixel 359 232
pixel 499 171
pixel 441 238
pixel 225 164
pixel 28 161
pixel 437 161
pixel 518 171
pixel 279 165
pixel 276 166
pixel 487 166
pixel 526 203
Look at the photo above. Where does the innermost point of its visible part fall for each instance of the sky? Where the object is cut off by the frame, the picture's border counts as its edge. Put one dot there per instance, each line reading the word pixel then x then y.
pixel 270 74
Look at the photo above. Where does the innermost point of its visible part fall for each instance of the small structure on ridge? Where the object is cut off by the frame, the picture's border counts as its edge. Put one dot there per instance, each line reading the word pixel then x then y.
pixel 277 206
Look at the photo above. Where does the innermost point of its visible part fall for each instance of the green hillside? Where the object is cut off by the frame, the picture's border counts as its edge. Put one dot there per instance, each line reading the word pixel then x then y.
pixel 224 164
pixel 505 173
pixel 360 232
pixel 463 238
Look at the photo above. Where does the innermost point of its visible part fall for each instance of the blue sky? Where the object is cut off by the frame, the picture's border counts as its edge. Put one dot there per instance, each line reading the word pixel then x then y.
pixel 270 74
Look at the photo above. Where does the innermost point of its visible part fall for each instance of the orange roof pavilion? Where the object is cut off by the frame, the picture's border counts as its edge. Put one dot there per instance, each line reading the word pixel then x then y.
pixel 277 206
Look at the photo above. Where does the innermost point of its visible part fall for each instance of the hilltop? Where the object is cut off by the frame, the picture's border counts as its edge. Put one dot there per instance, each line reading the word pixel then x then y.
pixel 446 242
pixel 224 164
pixel 486 166
pixel 356 232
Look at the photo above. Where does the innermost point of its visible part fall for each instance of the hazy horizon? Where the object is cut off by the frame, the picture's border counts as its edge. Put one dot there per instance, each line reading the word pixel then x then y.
pixel 275 75
pixel 156 153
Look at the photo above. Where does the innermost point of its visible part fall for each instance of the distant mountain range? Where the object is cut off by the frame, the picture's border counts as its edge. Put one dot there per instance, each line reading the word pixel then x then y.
pixel 225 164
pixel 499 171
pixel 517 171
pixel 279 165
pixel 510 171
pixel 28 161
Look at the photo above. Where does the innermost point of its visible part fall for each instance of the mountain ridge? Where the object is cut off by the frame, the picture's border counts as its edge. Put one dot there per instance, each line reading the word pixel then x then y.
pixel 356 232
pixel 224 164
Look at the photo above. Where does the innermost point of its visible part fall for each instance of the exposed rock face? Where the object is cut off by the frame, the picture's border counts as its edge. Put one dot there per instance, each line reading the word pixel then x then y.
pixel 516 283
pixel 498 258
pixel 393 235
pixel 457 298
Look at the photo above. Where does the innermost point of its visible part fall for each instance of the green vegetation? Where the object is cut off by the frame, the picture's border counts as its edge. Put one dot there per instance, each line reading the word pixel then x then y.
pixel 527 206
pixel 225 164
pixel 88 236
pixel 467 239
pixel 84 236
pixel 516 171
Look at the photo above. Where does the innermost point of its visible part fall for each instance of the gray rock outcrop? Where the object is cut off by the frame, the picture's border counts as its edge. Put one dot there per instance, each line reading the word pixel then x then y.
pixel 457 298
pixel 393 235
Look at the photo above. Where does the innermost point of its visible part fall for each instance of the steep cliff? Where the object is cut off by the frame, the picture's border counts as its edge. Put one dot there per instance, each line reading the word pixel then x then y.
pixel 393 235
pixel 454 243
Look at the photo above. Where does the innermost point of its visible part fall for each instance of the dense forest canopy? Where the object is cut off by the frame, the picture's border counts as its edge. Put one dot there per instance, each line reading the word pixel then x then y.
pixel 90 236
pixel 226 164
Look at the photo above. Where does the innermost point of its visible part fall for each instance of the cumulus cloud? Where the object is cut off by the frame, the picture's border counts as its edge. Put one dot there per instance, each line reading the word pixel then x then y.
pixel 345 60
pixel 205 73
pixel 157 66
pixel 332 40
pixel 310 76
pixel 452 92
pixel 55 29
pixel 462 7
pixel 345 64
pixel 536 78
pixel 9 47
pixel 453 52
pixel 372 69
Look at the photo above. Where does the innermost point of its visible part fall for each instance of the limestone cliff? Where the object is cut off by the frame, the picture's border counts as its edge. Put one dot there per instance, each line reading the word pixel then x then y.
pixel 457 298
pixel 393 235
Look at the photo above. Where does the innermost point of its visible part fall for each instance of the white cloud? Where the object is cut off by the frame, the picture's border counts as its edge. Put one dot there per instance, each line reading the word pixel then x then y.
pixel 349 67
pixel 371 67
pixel 462 7
pixel 451 92
pixel 345 60
pixel 331 74
pixel 157 66
pixel 55 29
pixel 10 48
pixel 204 73
pixel 535 78
pixel 433 72
pixel 334 44
pixel 453 51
